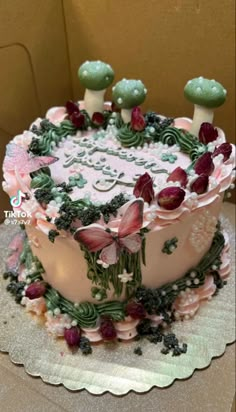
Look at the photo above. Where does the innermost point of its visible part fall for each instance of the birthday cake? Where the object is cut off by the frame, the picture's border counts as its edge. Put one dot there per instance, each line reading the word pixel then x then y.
pixel 119 211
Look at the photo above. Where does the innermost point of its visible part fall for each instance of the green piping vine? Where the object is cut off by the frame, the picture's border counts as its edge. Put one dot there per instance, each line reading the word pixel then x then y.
pixel 87 314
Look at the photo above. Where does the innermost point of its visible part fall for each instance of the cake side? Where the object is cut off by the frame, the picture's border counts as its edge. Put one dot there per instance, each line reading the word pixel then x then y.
pixel 66 268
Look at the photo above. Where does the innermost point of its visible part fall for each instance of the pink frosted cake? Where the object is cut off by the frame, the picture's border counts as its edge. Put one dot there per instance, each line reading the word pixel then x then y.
pixel 119 211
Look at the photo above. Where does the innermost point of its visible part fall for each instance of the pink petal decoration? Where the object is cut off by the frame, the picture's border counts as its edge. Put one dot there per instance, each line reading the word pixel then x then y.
pixel 225 267
pixel 56 115
pixel 206 290
pixel 182 123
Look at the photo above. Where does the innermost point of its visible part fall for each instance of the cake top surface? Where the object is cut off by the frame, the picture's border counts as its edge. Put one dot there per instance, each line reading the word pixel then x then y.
pixel 88 159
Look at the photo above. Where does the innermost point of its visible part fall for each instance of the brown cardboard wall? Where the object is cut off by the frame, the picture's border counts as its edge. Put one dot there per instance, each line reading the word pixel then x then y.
pixel 162 42
pixel 34 71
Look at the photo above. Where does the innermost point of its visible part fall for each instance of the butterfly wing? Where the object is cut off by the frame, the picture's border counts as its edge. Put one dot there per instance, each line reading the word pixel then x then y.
pixel 132 219
pixel 36 163
pixel 15 249
pixel 110 254
pixel 132 243
pixel 16 156
pixel 94 237
pixel 18 159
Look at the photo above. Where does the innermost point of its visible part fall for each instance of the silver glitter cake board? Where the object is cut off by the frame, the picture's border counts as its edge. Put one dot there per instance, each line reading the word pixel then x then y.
pixel 115 368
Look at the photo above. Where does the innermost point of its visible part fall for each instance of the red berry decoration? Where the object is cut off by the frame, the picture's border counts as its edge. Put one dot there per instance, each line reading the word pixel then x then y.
pixel 135 310
pixel 225 149
pixel 200 185
pixel 144 188
pixel 171 197
pixel 178 175
pixel 98 119
pixel 72 336
pixel 204 164
pixel 78 119
pixel 107 329
pixel 35 290
pixel 137 120
pixel 207 133
pixel 71 107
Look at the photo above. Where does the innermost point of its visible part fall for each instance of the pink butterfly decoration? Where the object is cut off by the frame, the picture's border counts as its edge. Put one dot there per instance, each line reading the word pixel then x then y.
pixel 96 237
pixel 19 159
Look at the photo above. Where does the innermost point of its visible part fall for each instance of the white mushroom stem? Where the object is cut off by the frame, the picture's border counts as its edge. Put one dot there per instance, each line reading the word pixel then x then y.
pixel 201 115
pixel 94 101
pixel 126 115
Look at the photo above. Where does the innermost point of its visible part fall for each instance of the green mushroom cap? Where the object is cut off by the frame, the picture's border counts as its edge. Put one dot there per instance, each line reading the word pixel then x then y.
pixel 127 94
pixel 205 92
pixel 96 75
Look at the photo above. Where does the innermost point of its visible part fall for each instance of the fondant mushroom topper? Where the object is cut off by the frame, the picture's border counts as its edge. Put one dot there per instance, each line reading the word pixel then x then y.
pixel 128 94
pixel 206 95
pixel 95 76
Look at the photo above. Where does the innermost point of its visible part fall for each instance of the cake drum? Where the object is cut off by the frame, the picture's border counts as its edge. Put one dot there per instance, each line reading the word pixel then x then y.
pixel 115 368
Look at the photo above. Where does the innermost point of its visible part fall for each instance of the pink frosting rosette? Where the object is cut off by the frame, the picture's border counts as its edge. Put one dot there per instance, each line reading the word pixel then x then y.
pixel 12 183
pixel 37 306
pixel 56 324
pixel 24 139
pixel 188 302
pixel 56 115
pixel 125 330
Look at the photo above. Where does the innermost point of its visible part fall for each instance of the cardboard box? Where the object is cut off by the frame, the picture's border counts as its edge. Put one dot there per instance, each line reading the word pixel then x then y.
pixel 42 43
pixel 34 69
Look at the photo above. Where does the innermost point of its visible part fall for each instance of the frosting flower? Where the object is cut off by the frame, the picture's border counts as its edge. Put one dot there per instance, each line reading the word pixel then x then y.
pixel 188 302
pixel 38 306
pixel 103 264
pixel 125 276
pixel 56 325
pixel 12 183
pixel 52 209
pixel 24 139
pixel 56 115
pixel 202 230
pixel 144 188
